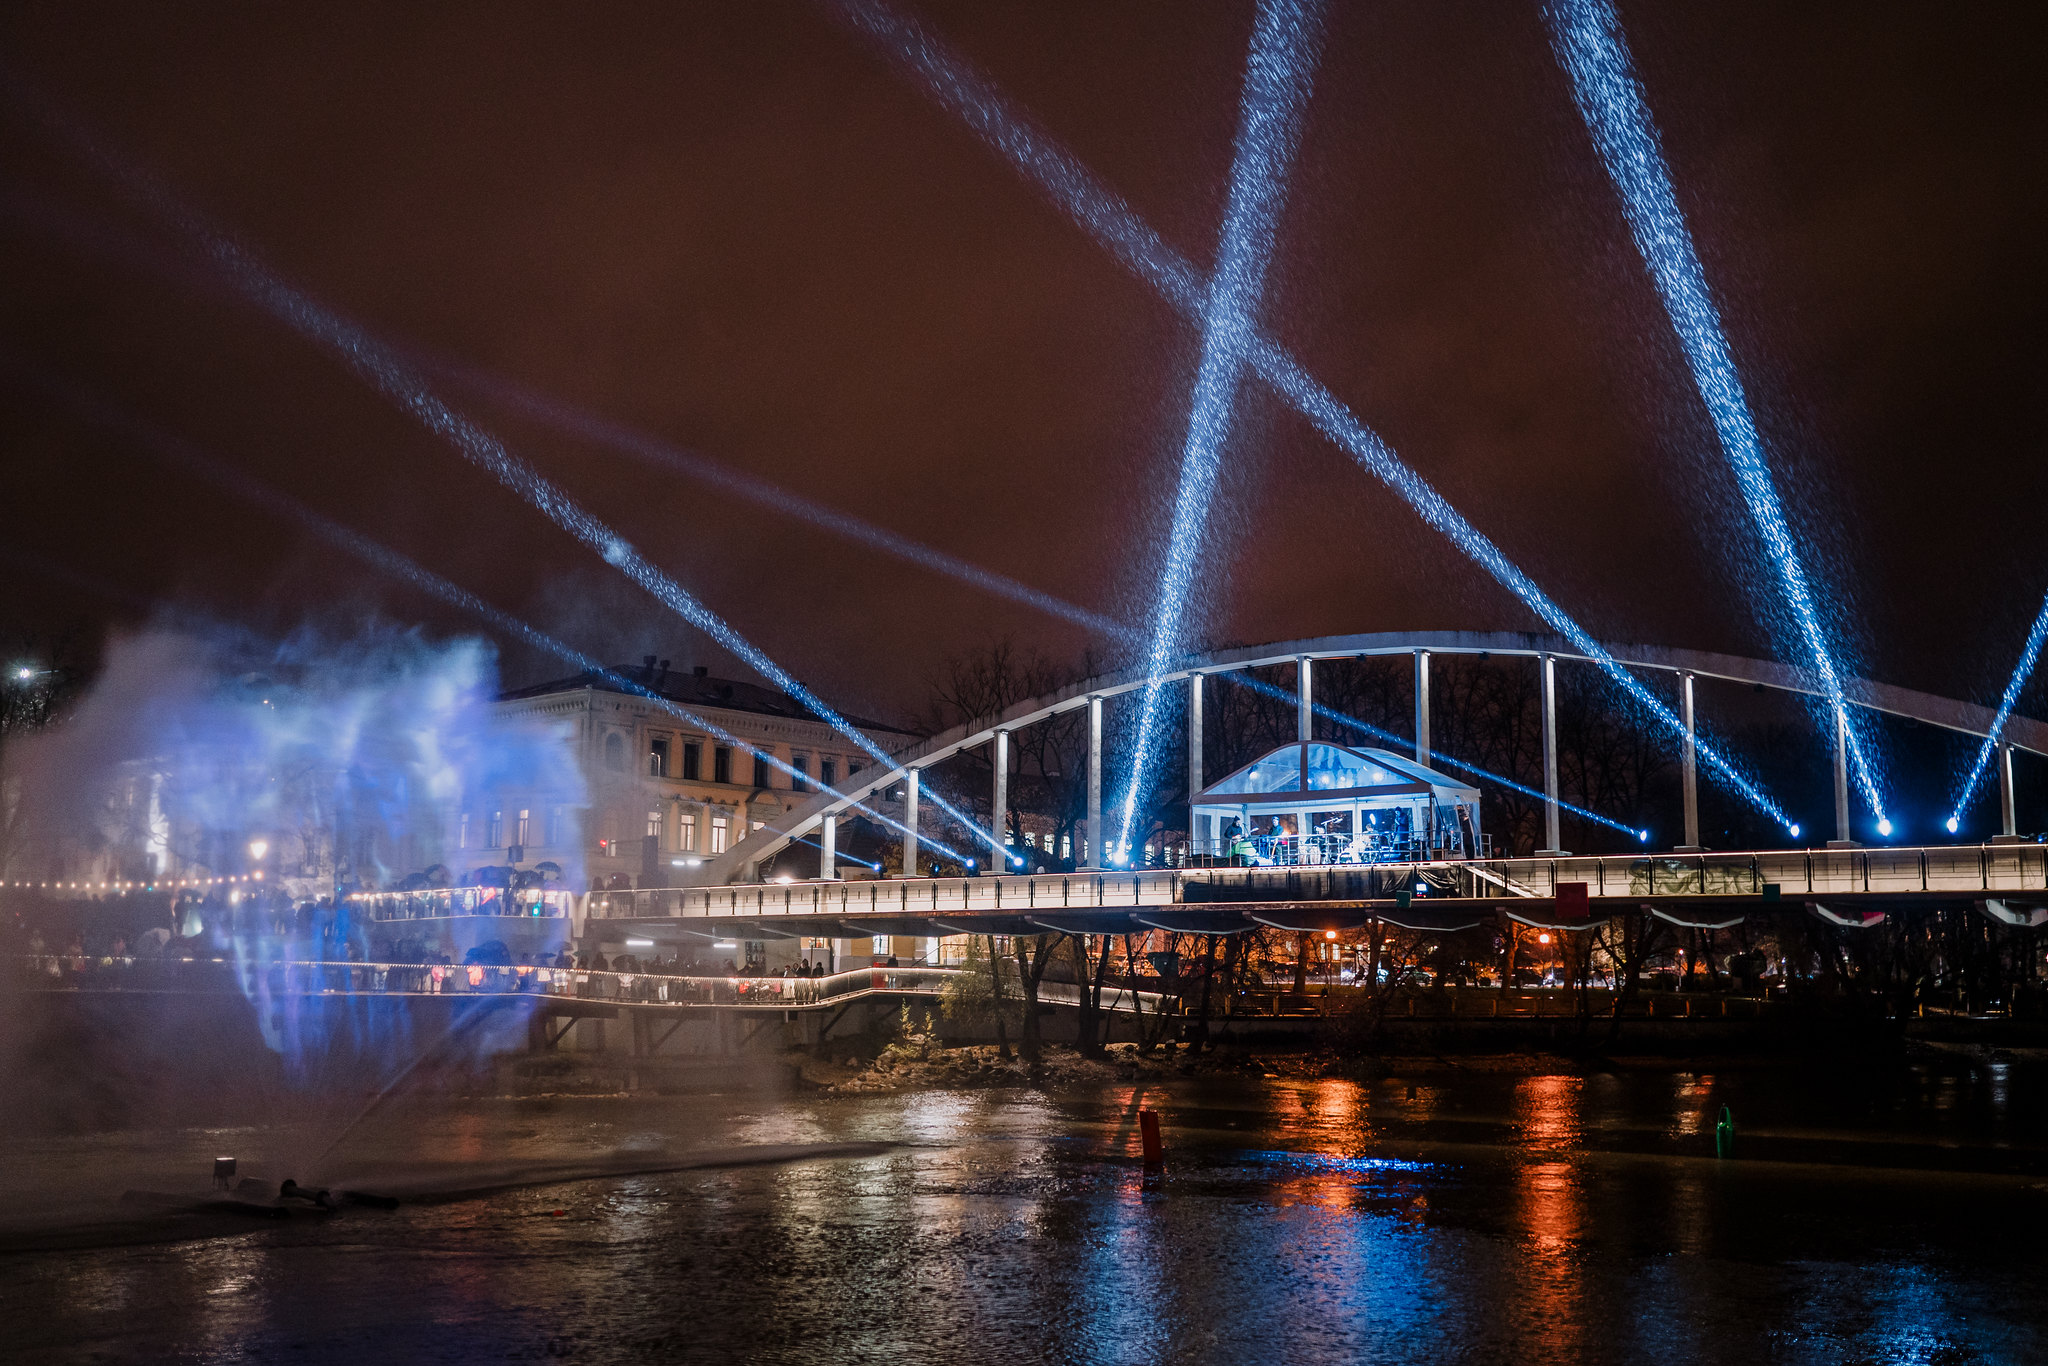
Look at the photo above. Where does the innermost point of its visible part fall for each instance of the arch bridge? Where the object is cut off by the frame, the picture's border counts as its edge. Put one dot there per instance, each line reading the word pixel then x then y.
pixel 740 865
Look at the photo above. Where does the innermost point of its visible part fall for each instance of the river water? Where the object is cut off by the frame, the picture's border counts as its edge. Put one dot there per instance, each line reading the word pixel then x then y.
pixel 1889 1215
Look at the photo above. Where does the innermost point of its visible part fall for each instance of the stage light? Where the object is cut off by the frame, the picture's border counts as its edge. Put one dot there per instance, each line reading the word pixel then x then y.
pixel 1884 826
pixel 1953 824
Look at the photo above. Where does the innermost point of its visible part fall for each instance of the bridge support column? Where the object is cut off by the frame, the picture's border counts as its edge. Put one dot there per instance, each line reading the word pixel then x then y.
pixel 2009 822
pixel 828 847
pixel 1689 767
pixel 1842 839
pixel 911 781
pixel 1197 839
pixel 1422 707
pixel 999 802
pixel 1094 859
pixel 1552 836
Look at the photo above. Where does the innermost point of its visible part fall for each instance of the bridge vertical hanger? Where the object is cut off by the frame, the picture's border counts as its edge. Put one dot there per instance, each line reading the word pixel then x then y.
pixel 1842 839
pixel 910 784
pixel 828 848
pixel 2009 822
pixel 1198 840
pixel 1094 858
pixel 1304 715
pixel 1422 707
pixel 1689 768
pixel 1547 675
pixel 999 800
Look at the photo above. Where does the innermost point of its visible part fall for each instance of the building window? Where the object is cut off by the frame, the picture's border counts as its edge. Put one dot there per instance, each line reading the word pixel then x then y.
pixel 764 772
pixel 693 761
pixel 497 839
pixel 852 767
pixel 721 765
pixel 828 772
pixel 609 844
pixel 800 780
pixel 615 752
pixel 561 827
pixel 686 832
pixel 881 944
pixel 657 757
pixel 719 827
pixel 654 823
pixel 522 827
pixel 462 832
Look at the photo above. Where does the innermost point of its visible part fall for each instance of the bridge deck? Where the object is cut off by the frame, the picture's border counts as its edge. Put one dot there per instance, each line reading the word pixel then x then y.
pixel 1699 888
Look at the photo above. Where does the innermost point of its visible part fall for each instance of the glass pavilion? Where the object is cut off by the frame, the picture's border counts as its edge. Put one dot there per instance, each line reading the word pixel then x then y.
pixel 1357 806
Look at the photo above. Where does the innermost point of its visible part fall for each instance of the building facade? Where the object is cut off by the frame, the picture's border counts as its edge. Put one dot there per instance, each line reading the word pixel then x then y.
pixel 661 792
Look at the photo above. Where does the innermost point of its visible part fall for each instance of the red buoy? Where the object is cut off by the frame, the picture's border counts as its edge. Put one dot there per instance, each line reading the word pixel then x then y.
pixel 1148 1131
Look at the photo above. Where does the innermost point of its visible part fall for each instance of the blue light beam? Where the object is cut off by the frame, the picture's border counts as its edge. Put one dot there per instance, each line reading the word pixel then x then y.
pixel 1285 43
pixel 385 369
pixel 956 87
pixel 652 450
pixel 2029 656
pixel 381 557
pixel 1587 37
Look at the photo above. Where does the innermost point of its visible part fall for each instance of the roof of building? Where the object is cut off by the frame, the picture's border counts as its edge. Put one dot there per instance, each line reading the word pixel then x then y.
pixel 1335 772
pixel 693 689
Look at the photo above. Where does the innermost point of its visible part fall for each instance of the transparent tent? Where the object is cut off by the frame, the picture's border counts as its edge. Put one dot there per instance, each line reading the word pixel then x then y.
pixel 1357 806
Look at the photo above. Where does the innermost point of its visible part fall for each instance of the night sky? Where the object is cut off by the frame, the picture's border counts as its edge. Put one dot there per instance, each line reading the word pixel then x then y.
pixel 737 228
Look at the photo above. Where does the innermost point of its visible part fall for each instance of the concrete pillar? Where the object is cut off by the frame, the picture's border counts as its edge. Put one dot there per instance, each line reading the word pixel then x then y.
pixel 1422 706
pixel 1094 859
pixel 1304 713
pixel 911 782
pixel 1195 837
pixel 1547 675
pixel 1689 768
pixel 1842 834
pixel 2008 814
pixel 999 802
pixel 828 847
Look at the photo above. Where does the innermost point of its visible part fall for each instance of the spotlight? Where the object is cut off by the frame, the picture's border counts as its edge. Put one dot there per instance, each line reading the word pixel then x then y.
pixel 1643 836
pixel 1884 826
pixel 1793 831
pixel 258 848
pixel 639 943
pixel 1953 824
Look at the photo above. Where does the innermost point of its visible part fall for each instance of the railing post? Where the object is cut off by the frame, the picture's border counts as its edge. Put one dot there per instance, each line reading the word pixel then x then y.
pixel 999 800
pixel 912 781
pixel 1094 859
pixel 1689 772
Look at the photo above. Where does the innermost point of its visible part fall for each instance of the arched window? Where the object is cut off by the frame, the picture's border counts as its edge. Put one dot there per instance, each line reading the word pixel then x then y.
pixel 615 752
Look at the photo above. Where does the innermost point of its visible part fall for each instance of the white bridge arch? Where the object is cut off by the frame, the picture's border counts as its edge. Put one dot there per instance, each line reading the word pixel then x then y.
pixel 820 813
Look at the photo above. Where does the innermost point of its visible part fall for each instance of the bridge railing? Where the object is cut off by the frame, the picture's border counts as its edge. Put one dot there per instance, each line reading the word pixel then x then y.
pixel 1797 873
pixel 282 978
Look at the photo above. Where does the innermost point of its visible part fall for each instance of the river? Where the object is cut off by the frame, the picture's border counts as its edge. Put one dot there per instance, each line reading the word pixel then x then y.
pixel 1889 1214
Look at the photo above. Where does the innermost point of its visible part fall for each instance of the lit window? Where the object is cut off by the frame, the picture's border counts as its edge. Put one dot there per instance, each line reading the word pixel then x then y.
pixel 719 826
pixel 882 944
pixel 522 827
pixel 654 823
pixel 686 832
pixel 497 839
pixel 462 832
